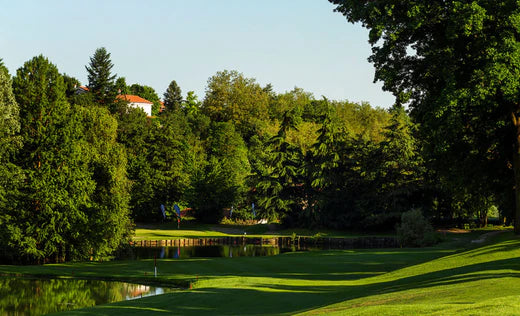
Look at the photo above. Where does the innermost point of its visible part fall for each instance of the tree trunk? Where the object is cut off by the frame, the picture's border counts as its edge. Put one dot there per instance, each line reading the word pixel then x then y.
pixel 516 169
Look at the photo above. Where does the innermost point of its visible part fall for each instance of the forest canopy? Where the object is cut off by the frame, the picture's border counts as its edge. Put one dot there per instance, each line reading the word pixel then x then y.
pixel 79 166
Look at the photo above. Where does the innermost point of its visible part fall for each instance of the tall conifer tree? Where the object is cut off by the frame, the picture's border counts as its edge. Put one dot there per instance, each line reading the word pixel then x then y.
pixel 173 97
pixel 101 81
pixel 10 175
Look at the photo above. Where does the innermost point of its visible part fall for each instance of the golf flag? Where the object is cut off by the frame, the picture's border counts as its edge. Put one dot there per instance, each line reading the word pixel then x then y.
pixel 177 210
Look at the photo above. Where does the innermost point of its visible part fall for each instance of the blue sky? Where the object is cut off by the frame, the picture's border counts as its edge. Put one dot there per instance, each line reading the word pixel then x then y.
pixel 286 43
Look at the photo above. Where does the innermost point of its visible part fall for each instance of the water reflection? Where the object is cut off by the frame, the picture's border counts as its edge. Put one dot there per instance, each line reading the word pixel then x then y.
pixel 41 296
pixel 207 251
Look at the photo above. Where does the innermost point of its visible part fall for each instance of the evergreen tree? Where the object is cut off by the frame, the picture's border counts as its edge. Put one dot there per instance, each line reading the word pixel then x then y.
pixel 56 186
pixel 326 198
pixel 73 199
pixel 280 190
pixel 3 67
pixel 397 185
pixel 10 175
pixel 100 79
pixel 173 97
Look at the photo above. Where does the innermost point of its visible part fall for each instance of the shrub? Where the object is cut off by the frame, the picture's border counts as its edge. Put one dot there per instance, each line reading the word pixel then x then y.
pixel 415 230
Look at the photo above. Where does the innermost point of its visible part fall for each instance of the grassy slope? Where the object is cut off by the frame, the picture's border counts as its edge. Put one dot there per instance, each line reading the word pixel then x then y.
pixel 196 230
pixel 442 280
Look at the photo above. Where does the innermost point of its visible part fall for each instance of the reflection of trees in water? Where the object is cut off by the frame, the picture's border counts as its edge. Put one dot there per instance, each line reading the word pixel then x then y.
pixel 214 251
pixel 37 297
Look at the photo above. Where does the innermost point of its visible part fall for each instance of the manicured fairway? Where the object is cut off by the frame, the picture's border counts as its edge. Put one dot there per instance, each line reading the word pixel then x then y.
pixel 457 277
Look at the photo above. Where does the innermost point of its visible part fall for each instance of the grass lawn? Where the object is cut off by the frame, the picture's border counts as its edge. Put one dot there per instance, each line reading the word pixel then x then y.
pixel 188 229
pixel 456 277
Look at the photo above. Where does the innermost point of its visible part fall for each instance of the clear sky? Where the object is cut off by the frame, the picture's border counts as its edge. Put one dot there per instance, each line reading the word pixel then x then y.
pixel 287 43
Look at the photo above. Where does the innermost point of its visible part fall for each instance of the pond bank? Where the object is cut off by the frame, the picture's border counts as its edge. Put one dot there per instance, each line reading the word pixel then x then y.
pixel 327 243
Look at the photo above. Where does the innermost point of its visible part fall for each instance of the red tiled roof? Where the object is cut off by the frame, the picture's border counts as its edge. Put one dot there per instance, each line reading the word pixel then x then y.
pixel 133 98
pixel 84 88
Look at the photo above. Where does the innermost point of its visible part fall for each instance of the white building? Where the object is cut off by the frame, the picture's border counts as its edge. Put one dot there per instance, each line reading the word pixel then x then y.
pixel 136 101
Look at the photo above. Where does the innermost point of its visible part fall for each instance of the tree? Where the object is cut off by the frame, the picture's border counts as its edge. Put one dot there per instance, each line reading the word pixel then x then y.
pixel 232 97
pixel 108 225
pixel 288 101
pixel 56 186
pixel 71 84
pixel 455 64
pixel 121 86
pixel 324 173
pixel 192 105
pixel 3 67
pixel 10 142
pixel 221 182
pixel 100 79
pixel 399 172
pixel 173 97
pixel 72 202
pixel 280 187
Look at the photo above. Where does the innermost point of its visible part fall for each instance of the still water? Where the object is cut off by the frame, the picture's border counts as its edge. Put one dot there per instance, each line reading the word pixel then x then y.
pixel 20 296
pixel 24 296
pixel 229 251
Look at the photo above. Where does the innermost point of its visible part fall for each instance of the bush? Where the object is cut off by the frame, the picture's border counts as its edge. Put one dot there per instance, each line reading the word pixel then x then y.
pixel 415 230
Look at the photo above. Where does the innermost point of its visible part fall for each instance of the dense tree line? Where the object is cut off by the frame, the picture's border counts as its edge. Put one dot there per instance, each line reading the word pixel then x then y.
pixel 78 167
pixel 454 63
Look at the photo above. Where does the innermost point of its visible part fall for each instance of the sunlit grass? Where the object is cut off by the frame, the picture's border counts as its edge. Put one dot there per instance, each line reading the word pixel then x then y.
pixel 189 229
pixel 455 278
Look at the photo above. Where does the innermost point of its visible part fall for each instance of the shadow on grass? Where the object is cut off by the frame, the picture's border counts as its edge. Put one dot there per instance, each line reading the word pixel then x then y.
pixel 286 299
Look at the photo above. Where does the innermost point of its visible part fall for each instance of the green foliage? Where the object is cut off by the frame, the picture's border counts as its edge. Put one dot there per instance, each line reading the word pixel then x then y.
pixel 121 86
pixel 108 225
pixel 10 174
pixel 72 203
pixel 160 158
pixel 280 190
pixel 100 79
pixel 361 119
pixel 57 186
pixel 173 97
pixel 415 230
pixel 192 104
pixel 9 115
pixel 296 100
pixel 326 178
pixel 71 84
pixel 456 64
pixel 3 68
pixel 230 97
pixel 221 183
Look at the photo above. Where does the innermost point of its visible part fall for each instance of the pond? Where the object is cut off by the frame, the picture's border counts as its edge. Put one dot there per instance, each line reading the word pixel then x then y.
pixel 24 296
pixel 247 247
pixel 230 251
